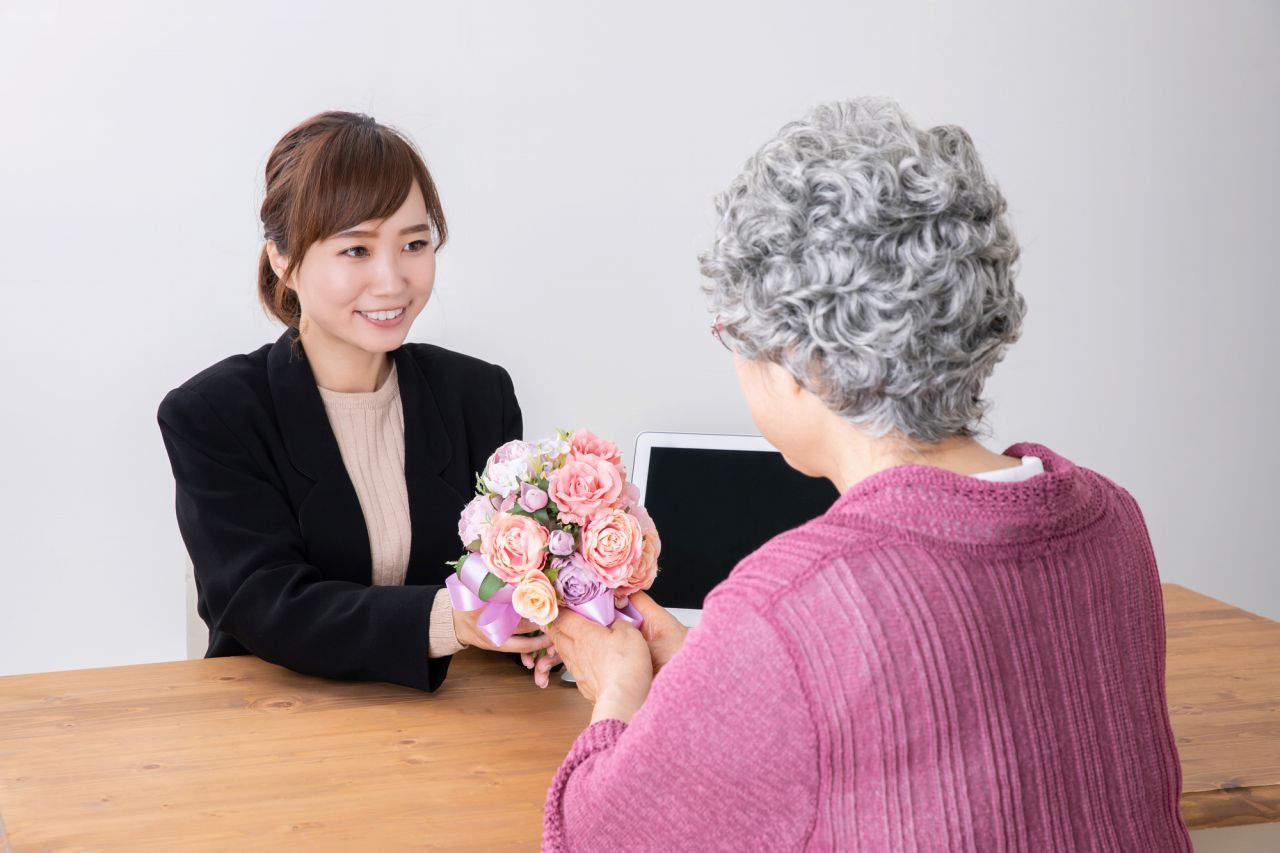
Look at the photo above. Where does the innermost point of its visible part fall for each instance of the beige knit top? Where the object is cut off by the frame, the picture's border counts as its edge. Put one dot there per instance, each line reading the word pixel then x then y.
pixel 369 427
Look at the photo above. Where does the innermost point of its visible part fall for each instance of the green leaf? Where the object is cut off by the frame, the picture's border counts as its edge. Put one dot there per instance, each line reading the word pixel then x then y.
pixel 542 517
pixel 552 574
pixel 491 584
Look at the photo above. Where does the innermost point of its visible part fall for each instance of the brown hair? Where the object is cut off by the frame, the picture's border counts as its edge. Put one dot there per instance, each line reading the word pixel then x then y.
pixel 333 171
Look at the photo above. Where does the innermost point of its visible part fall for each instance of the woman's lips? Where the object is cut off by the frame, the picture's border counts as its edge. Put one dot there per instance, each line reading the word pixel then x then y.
pixel 383 319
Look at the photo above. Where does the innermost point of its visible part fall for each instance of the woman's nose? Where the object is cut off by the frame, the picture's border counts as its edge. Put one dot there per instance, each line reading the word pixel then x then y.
pixel 387 277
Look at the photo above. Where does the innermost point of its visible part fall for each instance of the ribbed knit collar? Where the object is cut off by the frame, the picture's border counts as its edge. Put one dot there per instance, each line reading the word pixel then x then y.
pixel 944 505
pixel 377 399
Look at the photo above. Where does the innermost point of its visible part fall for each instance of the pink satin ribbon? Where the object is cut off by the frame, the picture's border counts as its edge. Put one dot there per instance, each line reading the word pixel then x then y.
pixel 602 610
pixel 499 619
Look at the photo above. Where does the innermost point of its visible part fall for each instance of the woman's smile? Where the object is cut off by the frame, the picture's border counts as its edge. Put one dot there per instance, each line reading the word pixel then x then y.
pixel 385 318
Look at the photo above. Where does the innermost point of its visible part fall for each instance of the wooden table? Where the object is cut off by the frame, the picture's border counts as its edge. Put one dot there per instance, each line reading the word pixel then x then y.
pixel 234 753
pixel 238 754
pixel 1223 684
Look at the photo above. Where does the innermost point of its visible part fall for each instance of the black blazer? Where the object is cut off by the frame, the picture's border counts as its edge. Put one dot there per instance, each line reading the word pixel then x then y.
pixel 275 530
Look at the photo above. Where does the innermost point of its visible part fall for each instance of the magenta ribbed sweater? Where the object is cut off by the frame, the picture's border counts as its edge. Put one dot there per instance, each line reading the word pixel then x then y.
pixel 936 663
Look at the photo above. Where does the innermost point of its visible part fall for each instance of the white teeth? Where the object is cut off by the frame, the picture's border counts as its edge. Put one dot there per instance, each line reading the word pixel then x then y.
pixel 383 315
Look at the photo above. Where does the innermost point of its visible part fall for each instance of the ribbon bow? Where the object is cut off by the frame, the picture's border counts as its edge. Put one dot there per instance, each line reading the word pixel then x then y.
pixel 499 618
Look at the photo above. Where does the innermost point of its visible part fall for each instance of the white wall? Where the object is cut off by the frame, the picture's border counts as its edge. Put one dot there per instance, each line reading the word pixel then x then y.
pixel 578 147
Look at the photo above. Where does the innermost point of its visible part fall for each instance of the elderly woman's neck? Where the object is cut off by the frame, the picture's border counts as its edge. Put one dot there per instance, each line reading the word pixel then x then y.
pixel 852 456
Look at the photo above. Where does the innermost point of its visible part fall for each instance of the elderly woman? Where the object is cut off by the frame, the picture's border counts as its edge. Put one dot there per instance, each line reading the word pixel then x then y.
pixel 966 652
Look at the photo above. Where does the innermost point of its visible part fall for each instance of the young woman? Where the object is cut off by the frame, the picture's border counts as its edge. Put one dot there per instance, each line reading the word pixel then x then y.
pixel 320 478
pixel 966 652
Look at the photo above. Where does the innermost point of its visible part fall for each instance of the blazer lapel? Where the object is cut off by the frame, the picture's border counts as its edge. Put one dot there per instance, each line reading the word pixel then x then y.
pixel 434 504
pixel 329 514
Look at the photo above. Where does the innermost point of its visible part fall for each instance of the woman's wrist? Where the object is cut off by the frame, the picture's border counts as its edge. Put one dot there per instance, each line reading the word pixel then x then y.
pixel 617 704
pixel 442 630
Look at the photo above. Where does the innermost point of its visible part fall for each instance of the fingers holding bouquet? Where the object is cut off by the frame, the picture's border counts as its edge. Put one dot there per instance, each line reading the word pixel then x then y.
pixel 525 638
pixel 664 633
pixel 555 529
pixel 542 665
pixel 610 663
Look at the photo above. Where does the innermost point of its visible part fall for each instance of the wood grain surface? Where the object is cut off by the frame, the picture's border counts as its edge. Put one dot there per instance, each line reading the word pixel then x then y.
pixel 235 753
pixel 1223 684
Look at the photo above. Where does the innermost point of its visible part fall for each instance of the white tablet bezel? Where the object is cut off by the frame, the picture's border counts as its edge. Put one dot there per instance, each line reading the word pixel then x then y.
pixel 647 441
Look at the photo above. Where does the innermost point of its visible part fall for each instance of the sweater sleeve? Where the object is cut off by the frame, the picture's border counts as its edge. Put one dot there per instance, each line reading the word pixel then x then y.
pixel 442 641
pixel 255 581
pixel 723 754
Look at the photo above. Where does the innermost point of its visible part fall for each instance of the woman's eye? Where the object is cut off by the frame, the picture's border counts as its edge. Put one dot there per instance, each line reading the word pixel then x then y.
pixel 361 250
pixel 417 245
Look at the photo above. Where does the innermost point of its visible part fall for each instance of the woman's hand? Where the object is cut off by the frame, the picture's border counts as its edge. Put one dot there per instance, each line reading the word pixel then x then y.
pixel 465 629
pixel 611 665
pixel 663 632
pixel 541 666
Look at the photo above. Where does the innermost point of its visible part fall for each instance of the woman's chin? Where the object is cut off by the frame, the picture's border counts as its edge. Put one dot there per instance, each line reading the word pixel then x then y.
pixel 383 345
pixel 381 338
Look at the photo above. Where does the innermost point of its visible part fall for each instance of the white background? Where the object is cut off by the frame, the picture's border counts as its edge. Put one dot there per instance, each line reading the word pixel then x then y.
pixel 577 149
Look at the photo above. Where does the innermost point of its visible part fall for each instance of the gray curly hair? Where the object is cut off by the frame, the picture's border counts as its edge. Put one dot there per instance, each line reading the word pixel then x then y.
pixel 872 260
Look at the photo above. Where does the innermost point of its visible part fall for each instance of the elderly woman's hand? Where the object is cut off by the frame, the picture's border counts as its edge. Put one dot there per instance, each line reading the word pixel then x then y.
pixel 611 665
pixel 663 632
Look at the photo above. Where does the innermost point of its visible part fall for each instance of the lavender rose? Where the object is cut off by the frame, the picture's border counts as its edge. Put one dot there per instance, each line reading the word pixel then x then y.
pixel 532 498
pixel 561 543
pixel 576 581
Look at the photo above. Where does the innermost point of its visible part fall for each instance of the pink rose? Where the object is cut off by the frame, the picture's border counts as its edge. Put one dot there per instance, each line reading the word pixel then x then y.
pixel 586 443
pixel 646 520
pixel 613 544
pixel 513 545
pixel 584 486
pixel 535 598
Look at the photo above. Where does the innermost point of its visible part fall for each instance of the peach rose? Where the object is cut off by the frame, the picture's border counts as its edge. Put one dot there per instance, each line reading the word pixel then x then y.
pixel 587 443
pixel 646 569
pixel 535 598
pixel 612 545
pixel 584 486
pixel 513 545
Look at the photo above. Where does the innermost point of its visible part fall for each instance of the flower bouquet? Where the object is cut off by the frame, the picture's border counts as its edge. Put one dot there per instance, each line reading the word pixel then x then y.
pixel 554 523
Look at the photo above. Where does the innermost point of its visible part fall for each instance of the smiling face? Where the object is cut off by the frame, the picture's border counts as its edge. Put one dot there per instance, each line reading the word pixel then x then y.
pixel 363 287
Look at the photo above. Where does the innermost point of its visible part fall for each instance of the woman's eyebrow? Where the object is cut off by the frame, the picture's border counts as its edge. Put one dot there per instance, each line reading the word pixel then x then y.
pixel 412 229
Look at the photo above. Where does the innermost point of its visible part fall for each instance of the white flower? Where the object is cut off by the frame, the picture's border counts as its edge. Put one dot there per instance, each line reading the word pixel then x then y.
pixel 551 452
pixel 475 518
pixel 510 464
